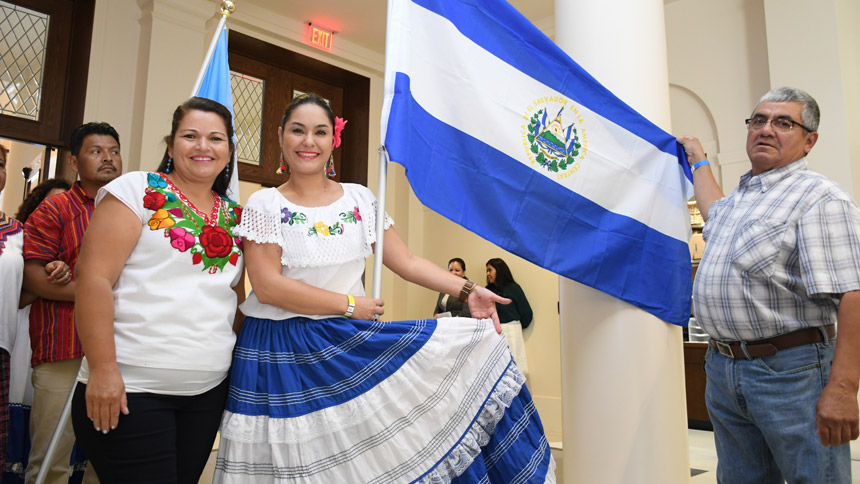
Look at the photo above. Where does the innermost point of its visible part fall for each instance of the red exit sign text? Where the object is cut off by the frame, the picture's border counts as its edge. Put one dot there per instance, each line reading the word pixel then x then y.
pixel 319 37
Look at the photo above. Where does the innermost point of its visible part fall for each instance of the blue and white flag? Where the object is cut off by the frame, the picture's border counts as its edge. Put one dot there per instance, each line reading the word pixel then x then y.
pixel 503 133
pixel 216 86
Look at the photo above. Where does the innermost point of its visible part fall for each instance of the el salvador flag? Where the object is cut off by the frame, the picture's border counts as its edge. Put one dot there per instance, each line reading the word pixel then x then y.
pixel 216 86
pixel 501 132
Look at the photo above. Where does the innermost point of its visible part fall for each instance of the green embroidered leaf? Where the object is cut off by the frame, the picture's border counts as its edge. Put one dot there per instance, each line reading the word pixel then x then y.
pixel 540 158
pixel 553 166
pixel 535 149
pixel 531 138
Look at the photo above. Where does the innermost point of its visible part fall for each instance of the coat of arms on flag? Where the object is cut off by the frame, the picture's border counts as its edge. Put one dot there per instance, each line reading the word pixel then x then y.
pixel 556 143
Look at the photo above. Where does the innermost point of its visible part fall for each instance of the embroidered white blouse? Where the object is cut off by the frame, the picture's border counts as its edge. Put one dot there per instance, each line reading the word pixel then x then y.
pixel 321 246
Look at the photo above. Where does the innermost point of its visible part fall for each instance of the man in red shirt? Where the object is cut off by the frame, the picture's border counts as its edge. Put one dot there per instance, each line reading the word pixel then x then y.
pixel 54 231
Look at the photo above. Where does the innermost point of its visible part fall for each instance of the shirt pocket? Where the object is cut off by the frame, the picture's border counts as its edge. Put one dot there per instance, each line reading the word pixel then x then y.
pixel 756 247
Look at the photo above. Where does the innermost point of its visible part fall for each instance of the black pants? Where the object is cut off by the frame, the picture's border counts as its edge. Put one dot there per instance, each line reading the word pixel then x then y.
pixel 163 439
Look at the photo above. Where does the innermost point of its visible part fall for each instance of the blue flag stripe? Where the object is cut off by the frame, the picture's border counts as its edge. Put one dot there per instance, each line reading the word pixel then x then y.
pixel 539 221
pixel 501 30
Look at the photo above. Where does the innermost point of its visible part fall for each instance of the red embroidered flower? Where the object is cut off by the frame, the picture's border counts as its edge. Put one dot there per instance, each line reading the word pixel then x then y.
pixel 238 212
pixel 216 241
pixel 153 200
pixel 234 258
pixel 356 214
pixel 197 258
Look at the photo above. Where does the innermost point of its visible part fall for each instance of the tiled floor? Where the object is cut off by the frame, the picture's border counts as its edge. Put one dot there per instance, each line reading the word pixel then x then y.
pixel 703 461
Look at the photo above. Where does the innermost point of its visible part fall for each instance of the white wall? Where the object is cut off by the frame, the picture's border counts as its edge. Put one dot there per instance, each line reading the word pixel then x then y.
pixel 717 55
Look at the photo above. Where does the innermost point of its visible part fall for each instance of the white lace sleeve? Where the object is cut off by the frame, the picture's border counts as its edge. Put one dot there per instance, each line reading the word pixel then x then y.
pixel 367 206
pixel 260 220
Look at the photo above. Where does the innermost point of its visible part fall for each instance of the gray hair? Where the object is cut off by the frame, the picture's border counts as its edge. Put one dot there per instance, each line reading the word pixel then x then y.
pixel 809 114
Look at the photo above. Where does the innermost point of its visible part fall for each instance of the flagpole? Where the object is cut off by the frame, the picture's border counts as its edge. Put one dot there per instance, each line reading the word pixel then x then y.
pixel 380 222
pixel 227 7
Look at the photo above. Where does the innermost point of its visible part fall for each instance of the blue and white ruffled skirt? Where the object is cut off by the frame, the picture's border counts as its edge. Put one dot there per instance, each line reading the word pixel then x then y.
pixel 346 401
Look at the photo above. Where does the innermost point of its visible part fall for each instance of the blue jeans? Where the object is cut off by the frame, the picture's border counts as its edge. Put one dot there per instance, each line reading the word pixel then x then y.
pixel 763 412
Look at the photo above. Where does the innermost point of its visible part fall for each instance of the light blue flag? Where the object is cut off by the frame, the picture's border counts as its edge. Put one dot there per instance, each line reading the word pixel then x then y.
pixel 501 132
pixel 216 86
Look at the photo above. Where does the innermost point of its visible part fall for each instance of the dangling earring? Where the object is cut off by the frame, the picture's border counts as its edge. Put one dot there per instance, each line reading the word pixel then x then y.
pixel 283 168
pixel 169 167
pixel 330 172
pixel 227 173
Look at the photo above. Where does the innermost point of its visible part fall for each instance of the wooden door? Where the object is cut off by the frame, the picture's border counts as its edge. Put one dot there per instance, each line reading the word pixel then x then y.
pixel 279 75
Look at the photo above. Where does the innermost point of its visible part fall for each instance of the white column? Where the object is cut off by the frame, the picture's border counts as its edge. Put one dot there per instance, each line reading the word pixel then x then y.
pixel 623 397
pixel 173 42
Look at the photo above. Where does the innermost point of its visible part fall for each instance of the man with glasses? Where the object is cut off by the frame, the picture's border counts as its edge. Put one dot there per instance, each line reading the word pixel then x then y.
pixel 781 266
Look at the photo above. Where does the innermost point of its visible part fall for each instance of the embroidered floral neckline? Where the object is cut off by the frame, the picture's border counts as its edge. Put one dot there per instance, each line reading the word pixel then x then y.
pixel 208 239
pixel 321 228
pixel 212 218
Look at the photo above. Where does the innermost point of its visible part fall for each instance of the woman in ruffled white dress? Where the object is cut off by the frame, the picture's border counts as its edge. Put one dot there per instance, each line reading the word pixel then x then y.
pixel 318 397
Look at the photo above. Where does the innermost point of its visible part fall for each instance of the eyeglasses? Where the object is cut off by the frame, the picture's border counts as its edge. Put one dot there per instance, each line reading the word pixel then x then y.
pixel 783 125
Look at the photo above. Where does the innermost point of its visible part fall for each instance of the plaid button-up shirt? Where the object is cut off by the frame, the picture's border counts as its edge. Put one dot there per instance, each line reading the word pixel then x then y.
pixel 779 252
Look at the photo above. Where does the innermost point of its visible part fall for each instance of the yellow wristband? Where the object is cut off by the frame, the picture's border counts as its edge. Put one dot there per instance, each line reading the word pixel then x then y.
pixel 351 306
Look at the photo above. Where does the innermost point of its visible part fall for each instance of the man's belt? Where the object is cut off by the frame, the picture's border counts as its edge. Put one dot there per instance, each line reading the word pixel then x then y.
pixel 769 346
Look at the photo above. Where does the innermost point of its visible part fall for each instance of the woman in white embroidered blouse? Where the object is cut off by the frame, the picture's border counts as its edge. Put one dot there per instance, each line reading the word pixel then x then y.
pixel 158 282
pixel 319 397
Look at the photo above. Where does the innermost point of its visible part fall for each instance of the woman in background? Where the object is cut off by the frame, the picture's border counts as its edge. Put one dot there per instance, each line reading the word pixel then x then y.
pixel 516 316
pixel 452 305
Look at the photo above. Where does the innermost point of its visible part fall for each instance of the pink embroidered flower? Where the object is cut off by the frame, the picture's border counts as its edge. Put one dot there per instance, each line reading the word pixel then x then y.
pixel 180 239
pixel 339 123
pixel 356 214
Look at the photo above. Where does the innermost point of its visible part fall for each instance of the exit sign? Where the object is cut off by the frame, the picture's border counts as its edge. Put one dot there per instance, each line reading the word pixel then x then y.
pixel 319 37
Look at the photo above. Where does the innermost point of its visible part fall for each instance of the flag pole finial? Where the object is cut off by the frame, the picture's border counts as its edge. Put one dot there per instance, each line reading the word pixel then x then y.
pixel 227 7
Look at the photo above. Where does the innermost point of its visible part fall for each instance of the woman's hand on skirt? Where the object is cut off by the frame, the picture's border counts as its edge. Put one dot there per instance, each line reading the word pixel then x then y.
pixel 482 304
pixel 106 397
pixel 368 308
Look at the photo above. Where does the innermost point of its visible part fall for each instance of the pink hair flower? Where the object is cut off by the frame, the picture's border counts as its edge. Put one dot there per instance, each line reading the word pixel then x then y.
pixel 339 123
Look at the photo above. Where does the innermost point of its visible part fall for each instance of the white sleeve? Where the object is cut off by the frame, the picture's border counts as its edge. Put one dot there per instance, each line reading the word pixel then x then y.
pixel 367 207
pixel 130 189
pixel 260 220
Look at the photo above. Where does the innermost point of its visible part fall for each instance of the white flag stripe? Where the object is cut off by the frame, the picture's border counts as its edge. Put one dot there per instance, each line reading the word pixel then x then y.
pixel 462 85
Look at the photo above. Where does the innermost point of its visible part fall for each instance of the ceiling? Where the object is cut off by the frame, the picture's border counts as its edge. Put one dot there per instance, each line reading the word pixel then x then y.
pixel 362 22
